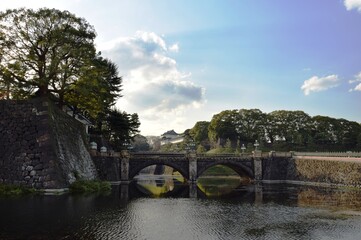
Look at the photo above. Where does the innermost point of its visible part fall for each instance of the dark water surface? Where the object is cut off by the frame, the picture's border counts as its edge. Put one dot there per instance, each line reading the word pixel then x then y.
pixel 165 208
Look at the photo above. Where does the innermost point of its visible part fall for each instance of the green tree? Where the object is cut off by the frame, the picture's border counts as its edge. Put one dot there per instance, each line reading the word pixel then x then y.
pixel 200 134
pixel 201 149
pixel 324 132
pixel 250 125
pixel 140 143
pixel 291 127
pixel 222 127
pixel 358 146
pixel 45 50
pixel 120 128
pixel 97 89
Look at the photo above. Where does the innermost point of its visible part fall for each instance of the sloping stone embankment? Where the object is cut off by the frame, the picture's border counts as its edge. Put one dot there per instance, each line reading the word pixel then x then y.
pixel 41 146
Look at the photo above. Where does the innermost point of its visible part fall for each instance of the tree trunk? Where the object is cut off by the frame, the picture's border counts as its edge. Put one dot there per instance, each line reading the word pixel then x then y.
pixel 43 91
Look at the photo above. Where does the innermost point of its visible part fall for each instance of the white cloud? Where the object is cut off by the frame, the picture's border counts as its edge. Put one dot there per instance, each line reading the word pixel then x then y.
pixel 357 79
pixel 174 48
pixel 317 84
pixel 154 87
pixel 353 4
pixel 358 87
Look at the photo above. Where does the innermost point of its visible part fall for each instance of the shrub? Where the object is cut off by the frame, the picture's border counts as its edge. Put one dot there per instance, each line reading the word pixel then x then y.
pixel 14 190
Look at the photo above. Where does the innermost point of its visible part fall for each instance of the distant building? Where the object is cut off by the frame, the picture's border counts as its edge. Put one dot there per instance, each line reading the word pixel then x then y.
pixel 171 137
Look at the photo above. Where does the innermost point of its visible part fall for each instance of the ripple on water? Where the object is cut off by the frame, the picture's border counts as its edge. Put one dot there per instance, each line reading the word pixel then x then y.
pixel 200 219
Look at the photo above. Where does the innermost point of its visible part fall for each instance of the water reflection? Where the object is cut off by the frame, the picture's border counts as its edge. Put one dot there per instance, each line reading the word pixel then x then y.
pixel 218 186
pixel 160 186
pixel 207 187
pixel 140 211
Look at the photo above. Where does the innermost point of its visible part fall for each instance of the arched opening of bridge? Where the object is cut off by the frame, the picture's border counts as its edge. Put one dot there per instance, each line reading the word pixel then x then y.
pixel 221 179
pixel 159 181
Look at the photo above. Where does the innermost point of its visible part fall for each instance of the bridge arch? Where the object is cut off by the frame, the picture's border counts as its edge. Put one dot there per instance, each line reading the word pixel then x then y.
pixel 241 168
pixel 136 166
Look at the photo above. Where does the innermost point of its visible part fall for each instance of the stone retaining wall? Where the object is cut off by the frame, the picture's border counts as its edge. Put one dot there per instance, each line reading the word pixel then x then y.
pixel 108 168
pixel 329 171
pixel 40 146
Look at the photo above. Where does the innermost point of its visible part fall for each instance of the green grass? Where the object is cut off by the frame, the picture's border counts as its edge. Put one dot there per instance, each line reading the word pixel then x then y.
pixel 90 186
pixel 219 170
pixel 14 190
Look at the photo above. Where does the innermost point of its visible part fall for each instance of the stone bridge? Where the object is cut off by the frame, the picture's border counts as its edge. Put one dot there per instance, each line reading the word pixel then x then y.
pixel 191 165
pixel 328 168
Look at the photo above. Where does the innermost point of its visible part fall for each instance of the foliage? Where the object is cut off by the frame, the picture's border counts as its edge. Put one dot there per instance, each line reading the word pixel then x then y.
pixel 14 190
pixel 120 128
pixel 201 149
pixel 90 186
pixel 45 48
pixel 199 132
pixel 219 170
pixel 52 52
pixel 222 127
pixel 281 130
pixel 97 89
pixel 140 143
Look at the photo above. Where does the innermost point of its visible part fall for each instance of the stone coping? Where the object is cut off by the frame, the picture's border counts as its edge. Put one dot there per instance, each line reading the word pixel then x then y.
pixel 55 191
pixel 316 184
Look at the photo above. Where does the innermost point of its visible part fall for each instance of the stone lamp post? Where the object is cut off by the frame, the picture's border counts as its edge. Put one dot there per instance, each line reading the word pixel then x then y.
pixel 243 148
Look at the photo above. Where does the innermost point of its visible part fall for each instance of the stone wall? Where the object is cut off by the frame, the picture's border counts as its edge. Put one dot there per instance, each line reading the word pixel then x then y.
pixel 108 168
pixel 340 172
pixel 41 146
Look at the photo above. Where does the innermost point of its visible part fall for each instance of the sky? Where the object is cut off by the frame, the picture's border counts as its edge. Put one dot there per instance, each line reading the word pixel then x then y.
pixel 183 61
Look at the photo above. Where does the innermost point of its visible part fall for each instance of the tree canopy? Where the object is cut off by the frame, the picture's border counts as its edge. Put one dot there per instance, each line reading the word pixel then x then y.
pixel 48 52
pixel 279 130
pixel 45 49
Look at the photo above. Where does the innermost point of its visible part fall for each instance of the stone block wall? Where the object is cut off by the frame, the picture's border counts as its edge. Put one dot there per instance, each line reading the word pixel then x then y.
pixel 108 168
pixel 341 172
pixel 40 146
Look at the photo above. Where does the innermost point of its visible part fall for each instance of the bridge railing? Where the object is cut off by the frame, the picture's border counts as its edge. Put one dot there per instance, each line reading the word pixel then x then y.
pixel 163 154
pixel 328 154
pixel 224 155
pixel 242 155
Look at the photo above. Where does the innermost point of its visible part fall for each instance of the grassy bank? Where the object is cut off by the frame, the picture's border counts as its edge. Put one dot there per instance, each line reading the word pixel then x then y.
pixel 14 190
pixel 219 170
pixel 90 186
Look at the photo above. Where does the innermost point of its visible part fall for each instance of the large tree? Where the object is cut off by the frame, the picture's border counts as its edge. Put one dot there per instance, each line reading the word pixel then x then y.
pixel 291 127
pixel 97 89
pixel 250 125
pixel 199 132
pixel 45 50
pixel 223 127
pixel 120 128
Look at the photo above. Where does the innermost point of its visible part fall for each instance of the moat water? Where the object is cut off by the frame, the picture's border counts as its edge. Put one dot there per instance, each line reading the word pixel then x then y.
pixel 165 208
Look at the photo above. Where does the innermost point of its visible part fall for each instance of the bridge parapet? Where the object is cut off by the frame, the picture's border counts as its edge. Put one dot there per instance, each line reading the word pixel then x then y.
pixel 329 154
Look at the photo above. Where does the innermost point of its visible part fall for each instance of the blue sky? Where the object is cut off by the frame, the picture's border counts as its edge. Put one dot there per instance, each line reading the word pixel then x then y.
pixel 183 61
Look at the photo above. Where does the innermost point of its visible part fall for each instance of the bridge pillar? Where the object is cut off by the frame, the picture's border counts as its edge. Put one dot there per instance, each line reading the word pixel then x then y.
pixel 124 192
pixel 193 190
pixel 192 158
pixel 124 167
pixel 257 162
pixel 258 198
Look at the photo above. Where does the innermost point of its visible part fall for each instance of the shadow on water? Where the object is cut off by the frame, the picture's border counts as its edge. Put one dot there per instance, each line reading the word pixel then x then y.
pixel 164 208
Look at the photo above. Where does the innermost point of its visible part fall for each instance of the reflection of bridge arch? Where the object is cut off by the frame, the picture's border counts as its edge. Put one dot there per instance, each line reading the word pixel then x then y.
pixel 137 163
pixel 241 168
